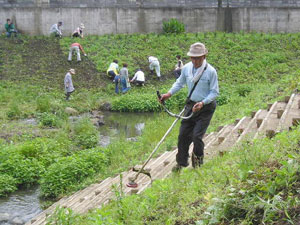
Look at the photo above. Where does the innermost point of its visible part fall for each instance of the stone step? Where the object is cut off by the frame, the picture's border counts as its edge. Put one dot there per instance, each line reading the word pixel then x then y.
pixel 142 180
pixel 253 125
pixel 87 203
pixel 291 113
pixel 162 170
pixel 209 137
pixel 234 134
pixel 212 147
pixel 270 122
pixel 86 194
pixel 213 139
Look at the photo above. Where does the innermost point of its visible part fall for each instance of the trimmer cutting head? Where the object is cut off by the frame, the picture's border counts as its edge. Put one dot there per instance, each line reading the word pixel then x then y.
pixel 132 183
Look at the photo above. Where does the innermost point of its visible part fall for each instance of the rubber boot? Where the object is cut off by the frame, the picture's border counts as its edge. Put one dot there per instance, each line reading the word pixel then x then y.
pixel 196 161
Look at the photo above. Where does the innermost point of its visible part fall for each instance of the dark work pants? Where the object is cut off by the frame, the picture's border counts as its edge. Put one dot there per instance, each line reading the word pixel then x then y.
pixel 68 94
pixel 193 130
pixel 112 74
pixel 177 73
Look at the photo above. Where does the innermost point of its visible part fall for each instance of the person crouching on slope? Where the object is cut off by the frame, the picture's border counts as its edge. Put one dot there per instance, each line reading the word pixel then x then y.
pixel 77 48
pixel 113 69
pixel 79 31
pixel 55 30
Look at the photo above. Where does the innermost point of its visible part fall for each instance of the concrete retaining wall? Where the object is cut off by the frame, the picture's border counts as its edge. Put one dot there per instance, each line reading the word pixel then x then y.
pixel 131 16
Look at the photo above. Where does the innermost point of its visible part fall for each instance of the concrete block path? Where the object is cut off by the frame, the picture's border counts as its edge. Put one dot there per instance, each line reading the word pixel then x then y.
pixel 279 116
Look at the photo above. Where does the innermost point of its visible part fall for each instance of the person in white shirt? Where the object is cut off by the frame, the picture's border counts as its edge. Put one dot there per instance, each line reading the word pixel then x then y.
pixel 154 64
pixel 139 78
pixel 79 31
pixel 55 30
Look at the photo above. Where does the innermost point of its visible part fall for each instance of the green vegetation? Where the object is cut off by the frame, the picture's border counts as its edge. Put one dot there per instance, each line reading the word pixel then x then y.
pixel 32 87
pixel 173 26
pixel 256 183
pixel 72 170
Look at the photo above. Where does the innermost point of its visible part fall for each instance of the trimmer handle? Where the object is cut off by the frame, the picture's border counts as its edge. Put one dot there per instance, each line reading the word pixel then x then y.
pixel 159 97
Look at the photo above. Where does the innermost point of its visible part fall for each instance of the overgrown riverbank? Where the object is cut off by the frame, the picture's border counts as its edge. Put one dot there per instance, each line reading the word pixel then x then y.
pixel 256 183
pixel 254 69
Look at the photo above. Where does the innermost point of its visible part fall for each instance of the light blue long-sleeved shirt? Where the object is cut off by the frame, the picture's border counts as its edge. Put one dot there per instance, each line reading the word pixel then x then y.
pixel 207 88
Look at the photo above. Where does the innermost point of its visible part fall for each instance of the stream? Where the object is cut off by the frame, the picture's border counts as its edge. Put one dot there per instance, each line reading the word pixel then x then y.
pixel 23 205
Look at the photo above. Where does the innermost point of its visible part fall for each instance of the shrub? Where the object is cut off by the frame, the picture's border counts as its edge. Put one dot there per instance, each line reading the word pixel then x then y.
pixel 43 103
pixel 173 26
pixel 46 151
pixel 48 119
pixel 223 99
pixel 13 112
pixel 243 90
pixel 7 184
pixel 24 171
pixel 69 171
pixel 86 135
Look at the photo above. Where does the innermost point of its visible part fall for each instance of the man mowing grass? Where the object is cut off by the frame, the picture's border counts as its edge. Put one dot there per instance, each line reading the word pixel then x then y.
pixel 202 82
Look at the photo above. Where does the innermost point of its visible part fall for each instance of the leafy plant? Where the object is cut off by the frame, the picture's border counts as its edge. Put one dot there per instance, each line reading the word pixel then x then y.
pixel 24 171
pixel 85 133
pixel 14 111
pixel 173 26
pixel 69 171
pixel 243 90
pixel 48 119
pixel 7 184
pixel 43 103
pixel 62 216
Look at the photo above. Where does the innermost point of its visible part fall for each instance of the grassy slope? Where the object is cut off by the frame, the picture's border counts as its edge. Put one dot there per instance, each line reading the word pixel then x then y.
pixel 253 70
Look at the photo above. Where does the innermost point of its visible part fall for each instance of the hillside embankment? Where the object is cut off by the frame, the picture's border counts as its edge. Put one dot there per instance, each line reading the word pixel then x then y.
pixel 254 69
pixel 41 61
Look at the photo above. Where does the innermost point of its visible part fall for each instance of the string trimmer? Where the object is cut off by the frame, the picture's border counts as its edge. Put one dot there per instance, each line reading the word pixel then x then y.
pixel 132 183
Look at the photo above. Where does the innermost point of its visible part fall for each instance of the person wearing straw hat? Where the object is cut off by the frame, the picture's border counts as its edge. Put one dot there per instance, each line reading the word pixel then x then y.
pixel 78 32
pixel 69 88
pixel 202 82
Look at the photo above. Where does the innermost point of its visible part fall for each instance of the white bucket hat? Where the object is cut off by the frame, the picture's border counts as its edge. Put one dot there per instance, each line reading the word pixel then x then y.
pixel 72 71
pixel 196 50
pixel 82 26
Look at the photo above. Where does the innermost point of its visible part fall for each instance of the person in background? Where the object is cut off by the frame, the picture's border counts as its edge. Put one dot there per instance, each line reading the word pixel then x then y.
pixel 178 67
pixel 113 69
pixel 139 78
pixel 10 28
pixel 77 48
pixel 55 30
pixel 124 78
pixel 202 83
pixel 117 82
pixel 79 31
pixel 154 64
pixel 69 88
